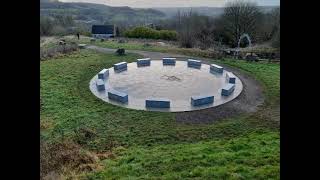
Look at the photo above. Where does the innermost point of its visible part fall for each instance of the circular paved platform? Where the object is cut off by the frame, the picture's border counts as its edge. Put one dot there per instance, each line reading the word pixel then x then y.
pixel 176 83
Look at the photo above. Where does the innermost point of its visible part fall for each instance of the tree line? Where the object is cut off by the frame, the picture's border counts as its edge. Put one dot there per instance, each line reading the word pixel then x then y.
pixel 191 29
pixel 61 25
pixel 238 18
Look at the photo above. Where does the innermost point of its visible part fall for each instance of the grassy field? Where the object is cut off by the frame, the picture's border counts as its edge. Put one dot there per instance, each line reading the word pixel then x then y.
pixel 132 45
pixel 152 47
pixel 136 45
pixel 253 156
pixel 152 144
pixel 53 41
pixel 267 73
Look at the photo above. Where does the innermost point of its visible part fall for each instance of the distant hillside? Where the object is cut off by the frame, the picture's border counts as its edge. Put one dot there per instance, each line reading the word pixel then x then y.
pixel 208 11
pixel 99 14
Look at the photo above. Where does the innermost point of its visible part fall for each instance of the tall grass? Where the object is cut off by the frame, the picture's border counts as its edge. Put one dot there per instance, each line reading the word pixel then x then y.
pixel 56 51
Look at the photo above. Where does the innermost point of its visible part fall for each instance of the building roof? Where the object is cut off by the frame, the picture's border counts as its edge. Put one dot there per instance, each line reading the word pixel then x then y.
pixel 102 29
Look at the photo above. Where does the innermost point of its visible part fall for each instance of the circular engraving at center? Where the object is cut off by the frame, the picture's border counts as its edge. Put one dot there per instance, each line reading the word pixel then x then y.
pixel 170 78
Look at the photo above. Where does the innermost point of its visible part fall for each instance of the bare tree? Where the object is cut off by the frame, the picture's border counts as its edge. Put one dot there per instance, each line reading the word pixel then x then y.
pixel 193 29
pixel 275 15
pixel 205 35
pixel 276 30
pixel 268 25
pixel 240 17
pixel 186 30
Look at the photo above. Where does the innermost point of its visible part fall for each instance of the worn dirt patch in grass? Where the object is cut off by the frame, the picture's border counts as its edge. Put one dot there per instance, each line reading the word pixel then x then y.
pixel 69 159
pixel 248 101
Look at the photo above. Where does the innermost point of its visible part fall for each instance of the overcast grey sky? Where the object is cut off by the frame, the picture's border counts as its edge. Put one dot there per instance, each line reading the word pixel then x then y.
pixel 171 3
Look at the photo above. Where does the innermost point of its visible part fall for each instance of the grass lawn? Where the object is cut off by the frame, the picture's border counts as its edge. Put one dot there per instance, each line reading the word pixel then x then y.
pixel 254 156
pixel 267 73
pixel 150 47
pixel 132 45
pixel 152 144
pixel 170 49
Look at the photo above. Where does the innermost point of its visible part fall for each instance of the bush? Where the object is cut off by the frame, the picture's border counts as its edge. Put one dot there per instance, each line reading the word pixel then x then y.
pixel 185 40
pixel 121 41
pixel 146 45
pixel 46 25
pixel 148 33
pixel 85 33
pixel 142 32
pixel 120 52
pixel 168 35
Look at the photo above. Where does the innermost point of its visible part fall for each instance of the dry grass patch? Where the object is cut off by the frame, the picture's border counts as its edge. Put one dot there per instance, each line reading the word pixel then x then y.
pixel 67 159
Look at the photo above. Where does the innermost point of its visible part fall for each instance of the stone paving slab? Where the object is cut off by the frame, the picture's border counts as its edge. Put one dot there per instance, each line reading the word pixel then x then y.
pixel 178 83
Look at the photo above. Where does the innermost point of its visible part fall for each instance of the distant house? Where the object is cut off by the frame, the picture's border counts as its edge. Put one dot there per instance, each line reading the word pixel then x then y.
pixel 103 31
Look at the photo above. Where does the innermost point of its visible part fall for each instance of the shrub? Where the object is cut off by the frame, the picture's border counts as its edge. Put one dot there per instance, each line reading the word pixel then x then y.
pixel 146 45
pixel 186 40
pixel 120 52
pixel 168 35
pixel 148 33
pixel 121 41
pixel 85 33
pixel 46 25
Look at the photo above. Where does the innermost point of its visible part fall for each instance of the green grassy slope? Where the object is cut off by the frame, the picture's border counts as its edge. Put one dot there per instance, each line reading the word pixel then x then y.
pixel 69 107
pixel 254 156
pixel 267 73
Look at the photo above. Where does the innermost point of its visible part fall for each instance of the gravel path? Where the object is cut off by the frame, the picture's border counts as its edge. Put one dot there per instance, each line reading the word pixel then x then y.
pixel 247 102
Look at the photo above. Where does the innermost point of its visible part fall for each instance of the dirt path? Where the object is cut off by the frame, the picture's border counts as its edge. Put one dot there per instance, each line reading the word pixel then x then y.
pixel 247 102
